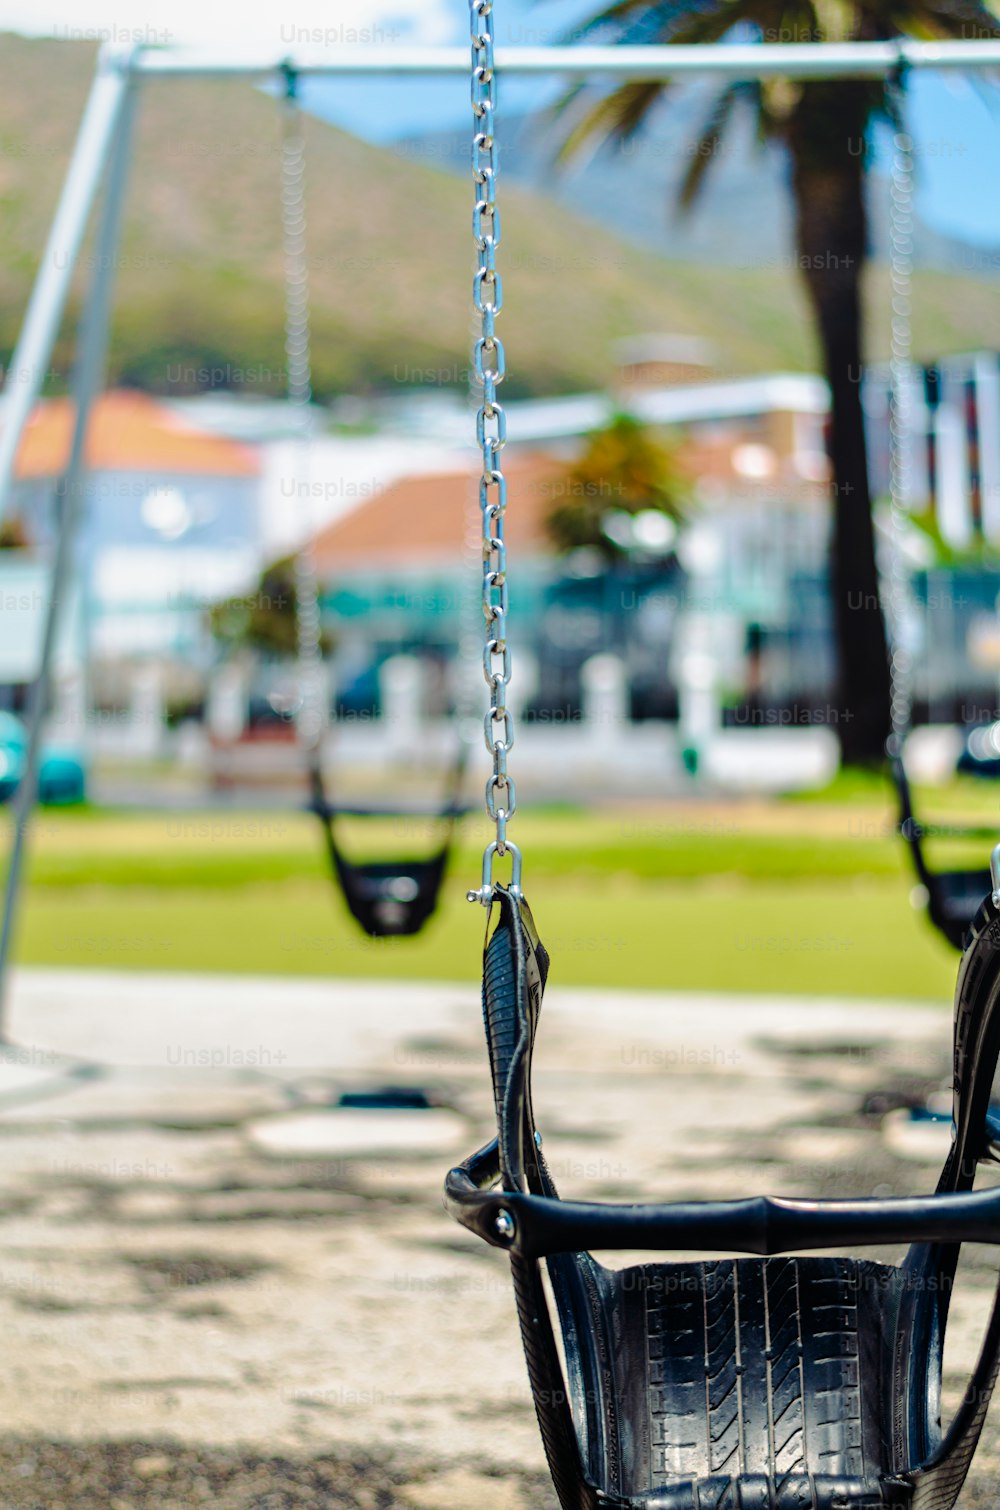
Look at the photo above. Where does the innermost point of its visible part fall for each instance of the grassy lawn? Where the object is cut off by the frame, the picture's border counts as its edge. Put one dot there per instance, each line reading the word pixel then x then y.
pixel 795 896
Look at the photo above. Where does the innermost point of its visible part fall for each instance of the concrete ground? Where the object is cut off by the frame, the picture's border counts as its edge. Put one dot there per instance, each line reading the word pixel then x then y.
pixel 213 1289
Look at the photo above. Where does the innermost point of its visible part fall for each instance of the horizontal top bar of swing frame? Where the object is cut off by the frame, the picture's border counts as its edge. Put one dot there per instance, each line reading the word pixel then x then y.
pixel 743 61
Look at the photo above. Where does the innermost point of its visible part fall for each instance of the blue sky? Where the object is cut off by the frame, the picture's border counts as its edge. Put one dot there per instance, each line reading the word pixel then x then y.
pixel 955 122
pixel 956 128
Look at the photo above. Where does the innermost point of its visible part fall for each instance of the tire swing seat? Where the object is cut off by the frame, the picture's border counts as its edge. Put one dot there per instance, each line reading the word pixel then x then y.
pixel 953 897
pixel 390 898
pixel 773 1382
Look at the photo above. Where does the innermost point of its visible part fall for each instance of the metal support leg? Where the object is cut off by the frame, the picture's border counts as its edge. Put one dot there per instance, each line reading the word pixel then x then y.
pixel 87 378
pixel 30 362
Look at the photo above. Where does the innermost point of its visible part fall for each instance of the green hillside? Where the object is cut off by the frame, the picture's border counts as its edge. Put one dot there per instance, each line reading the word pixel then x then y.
pixel 199 281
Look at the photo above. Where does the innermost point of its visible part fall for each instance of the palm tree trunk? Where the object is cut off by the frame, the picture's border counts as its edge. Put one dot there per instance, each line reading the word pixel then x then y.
pixel 826 138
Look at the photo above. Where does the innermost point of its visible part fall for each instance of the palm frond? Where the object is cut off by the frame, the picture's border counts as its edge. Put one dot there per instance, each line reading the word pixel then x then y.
pixel 633 21
pixel 617 116
pixel 710 25
pixel 831 20
pixel 706 146
pixel 622 16
pixel 939 20
pixel 565 102
pixel 620 113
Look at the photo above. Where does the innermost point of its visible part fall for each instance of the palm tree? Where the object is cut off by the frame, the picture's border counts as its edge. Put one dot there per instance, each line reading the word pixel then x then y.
pixel 263 620
pixel 623 469
pixel 823 127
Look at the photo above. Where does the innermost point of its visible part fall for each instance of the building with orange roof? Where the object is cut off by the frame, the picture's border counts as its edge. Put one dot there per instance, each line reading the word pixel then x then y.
pixel 397 573
pixel 129 432
pixel 169 520
pixel 424 521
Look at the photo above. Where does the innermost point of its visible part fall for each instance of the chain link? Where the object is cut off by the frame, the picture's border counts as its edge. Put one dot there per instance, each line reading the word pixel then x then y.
pixel 489 364
pixel 311 713
pixel 901 380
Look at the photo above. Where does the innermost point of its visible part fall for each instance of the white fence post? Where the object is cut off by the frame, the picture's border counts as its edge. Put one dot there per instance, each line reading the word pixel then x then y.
pixel 605 699
pixel 401 685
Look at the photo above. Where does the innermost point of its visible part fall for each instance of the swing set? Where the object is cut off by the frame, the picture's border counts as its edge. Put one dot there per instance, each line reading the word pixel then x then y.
pixel 760 1383
pixel 951 897
pixel 392 897
pixel 771 1381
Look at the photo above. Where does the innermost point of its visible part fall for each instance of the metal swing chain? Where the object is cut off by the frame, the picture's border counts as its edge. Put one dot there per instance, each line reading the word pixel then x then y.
pixel 901 376
pixel 299 388
pixel 491 435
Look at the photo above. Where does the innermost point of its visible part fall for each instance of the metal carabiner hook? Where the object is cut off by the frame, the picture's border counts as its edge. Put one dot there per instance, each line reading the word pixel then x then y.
pixel 994 874
pixel 485 892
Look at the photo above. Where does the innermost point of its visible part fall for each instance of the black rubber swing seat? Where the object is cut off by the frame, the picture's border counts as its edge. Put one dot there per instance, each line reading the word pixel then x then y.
pixel 953 896
pixel 953 899
pixel 765 1383
pixel 389 898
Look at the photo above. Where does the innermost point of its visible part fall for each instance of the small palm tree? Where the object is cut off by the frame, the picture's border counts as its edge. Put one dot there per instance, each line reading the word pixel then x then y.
pixel 265 619
pixel 13 535
pixel 623 469
pixel 823 127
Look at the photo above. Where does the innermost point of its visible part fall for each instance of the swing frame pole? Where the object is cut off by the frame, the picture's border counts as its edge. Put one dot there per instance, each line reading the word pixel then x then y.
pixel 30 363
pixel 739 62
pixel 102 148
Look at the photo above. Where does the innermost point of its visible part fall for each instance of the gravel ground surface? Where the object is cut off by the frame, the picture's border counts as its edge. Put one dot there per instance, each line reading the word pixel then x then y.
pixel 144 1475
pixel 214 1288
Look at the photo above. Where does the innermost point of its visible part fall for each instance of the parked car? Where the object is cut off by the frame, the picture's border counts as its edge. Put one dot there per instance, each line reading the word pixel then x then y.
pixel 61 772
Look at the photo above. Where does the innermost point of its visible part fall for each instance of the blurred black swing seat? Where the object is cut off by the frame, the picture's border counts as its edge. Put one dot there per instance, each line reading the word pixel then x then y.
pixel 390 898
pixel 763 1383
pixel 953 897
